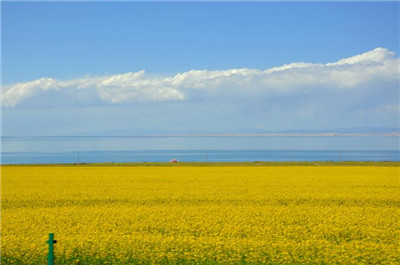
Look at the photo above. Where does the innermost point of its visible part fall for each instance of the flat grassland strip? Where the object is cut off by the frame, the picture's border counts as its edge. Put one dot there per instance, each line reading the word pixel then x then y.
pixel 199 213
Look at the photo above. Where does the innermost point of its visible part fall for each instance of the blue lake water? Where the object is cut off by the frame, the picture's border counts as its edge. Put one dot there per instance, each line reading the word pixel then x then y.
pixel 28 150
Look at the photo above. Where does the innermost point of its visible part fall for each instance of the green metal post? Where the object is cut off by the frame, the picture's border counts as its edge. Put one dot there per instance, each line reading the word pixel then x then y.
pixel 50 257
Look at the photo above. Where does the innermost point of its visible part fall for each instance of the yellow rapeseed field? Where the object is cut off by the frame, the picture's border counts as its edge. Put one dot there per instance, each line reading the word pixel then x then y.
pixel 201 215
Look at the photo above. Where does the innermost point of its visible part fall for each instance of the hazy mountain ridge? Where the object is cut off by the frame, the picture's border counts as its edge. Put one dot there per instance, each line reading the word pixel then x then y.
pixel 255 133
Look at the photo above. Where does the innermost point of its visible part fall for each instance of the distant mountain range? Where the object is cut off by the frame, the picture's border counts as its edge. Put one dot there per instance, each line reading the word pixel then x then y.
pixel 124 133
pixel 358 131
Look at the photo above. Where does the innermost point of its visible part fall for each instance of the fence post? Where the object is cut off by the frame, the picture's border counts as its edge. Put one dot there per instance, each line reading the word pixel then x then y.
pixel 50 257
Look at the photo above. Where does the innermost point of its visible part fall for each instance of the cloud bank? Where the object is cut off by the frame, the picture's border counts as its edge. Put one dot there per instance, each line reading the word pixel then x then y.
pixel 376 66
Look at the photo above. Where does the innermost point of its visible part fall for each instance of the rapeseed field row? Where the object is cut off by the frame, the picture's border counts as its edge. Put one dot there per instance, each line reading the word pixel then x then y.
pixel 201 215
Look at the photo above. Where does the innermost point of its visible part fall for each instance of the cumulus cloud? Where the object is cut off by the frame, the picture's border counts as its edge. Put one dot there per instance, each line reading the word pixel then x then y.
pixel 376 65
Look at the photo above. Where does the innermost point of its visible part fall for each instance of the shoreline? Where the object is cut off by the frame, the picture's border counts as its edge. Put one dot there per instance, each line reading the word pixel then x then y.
pixel 214 164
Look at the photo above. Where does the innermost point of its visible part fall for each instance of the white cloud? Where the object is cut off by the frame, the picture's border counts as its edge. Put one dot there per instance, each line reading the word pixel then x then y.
pixel 379 64
pixel 375 56
pixel 389 109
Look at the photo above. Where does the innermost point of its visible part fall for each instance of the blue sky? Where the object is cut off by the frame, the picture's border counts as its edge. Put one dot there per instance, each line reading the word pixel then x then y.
pixel 113 67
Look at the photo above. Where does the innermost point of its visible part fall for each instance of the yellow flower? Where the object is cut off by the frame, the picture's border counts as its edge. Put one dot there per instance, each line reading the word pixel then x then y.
pixel 265 214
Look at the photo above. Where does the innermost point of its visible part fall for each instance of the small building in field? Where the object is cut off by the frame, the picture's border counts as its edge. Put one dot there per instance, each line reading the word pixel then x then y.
pixel 173 160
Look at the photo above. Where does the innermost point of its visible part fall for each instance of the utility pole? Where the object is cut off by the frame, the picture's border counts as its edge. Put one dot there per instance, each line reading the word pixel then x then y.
pixel 340 155
pixel 207 155
pixel 78 157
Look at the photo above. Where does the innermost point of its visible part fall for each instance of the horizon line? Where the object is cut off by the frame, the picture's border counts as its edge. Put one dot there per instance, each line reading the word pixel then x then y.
pixel 326 134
